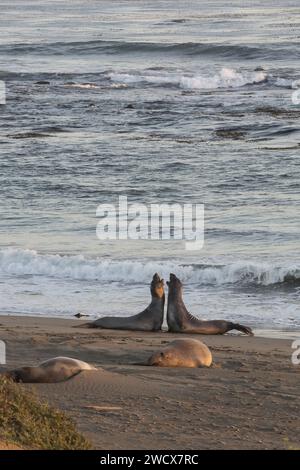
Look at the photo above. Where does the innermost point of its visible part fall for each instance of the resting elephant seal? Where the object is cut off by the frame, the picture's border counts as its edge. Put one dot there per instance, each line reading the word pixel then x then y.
pixel 185 352
pixel 150 319
pixel 181 321
pixel 54 370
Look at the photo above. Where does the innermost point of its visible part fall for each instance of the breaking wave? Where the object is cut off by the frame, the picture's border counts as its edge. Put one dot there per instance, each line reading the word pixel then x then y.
pixel 226 78
pixel 19 262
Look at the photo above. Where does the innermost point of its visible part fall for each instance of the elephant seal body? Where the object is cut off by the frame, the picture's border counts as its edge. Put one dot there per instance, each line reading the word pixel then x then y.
pixel 181 321
pixel 186 352
pixel 150 319
pixel 54 370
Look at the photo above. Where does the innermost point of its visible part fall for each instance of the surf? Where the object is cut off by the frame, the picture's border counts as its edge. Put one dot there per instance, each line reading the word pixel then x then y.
pixel 19 262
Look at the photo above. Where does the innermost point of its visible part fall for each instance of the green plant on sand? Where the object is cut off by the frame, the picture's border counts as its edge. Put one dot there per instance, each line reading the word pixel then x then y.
pixel 32 423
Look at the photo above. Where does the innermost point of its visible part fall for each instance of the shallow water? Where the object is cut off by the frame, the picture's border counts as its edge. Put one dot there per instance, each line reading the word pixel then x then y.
pixel 177 102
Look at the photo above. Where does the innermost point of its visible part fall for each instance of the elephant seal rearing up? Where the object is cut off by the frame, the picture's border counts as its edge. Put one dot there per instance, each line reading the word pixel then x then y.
pixel 54 370
pixel 181 321
pixel 150 319
pixel 186 352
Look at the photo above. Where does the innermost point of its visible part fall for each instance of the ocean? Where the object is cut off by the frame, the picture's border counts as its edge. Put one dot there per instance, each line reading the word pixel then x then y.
pixel 162 102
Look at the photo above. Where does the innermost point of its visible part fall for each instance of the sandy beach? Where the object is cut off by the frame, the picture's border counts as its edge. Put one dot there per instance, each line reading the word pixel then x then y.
pixel 248 399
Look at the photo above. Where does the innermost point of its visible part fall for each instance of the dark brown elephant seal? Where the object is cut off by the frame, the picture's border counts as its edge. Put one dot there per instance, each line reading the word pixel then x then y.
pixel 150 319
pixel 54 370
pixel 186 352
pixel 181 321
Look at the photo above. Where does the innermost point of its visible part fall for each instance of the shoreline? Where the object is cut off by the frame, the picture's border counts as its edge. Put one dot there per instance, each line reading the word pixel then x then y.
pixel 270 333
pixel 248 399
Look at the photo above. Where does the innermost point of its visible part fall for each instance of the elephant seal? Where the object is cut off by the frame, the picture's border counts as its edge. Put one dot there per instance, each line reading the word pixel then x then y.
pixel 54 370
pixel 186 352
pixel 150 319
pixel 181 321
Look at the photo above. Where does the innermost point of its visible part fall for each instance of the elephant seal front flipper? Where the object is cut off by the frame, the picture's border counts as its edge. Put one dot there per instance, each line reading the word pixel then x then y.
pixel 181 321
pixel 57 369
pixel 150 319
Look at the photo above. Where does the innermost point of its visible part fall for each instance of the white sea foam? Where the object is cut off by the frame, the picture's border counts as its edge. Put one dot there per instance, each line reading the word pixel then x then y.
pixel 283 82
pixel 19 262
pixel 226 78
pixel 82 85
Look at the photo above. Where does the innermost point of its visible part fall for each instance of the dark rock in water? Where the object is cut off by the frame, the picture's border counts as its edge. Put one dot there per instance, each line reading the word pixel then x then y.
pixel 54 129
pixel 42 82
pixel 179 20
pixel 129 106
pixel 79 315
pixel 287 113
pixel 234 134
pixel 50 131
pixel 29 135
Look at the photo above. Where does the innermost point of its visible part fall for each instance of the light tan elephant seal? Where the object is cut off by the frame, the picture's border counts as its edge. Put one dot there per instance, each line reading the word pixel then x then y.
pixel 186 352
pixel 57 369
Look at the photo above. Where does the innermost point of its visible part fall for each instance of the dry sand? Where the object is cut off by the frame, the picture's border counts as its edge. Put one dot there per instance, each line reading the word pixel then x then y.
pixel 249 399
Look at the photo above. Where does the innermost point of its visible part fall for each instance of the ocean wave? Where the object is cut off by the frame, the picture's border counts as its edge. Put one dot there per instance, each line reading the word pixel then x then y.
pixel 226 78
pixel 157 76
pixel 20 262
pixel 287 83
pixel 230 51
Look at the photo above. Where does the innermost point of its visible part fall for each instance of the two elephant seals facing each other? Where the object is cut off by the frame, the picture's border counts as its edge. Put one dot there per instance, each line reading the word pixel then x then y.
pixel 57 369
pixel 184 352
pixel 150 319
pixel 181 321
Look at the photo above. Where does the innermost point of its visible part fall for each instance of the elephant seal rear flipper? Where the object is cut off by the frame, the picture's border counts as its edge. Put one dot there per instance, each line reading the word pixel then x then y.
pixel 181 321
pixel 150 319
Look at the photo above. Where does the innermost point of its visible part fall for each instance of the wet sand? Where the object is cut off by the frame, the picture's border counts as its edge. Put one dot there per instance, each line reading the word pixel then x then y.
pixel 249 399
